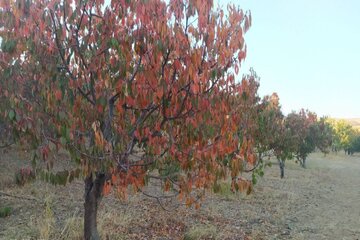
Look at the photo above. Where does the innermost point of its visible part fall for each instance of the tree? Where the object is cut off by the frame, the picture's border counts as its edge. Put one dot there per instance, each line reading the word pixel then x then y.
pixel 343 133
pixel 268 118
pixel 302 127
pixel 272 135
pixel 102 80
pixel 308 134
pixel 354 144
pixel 323 135
pixel 7 139
pixel 284 146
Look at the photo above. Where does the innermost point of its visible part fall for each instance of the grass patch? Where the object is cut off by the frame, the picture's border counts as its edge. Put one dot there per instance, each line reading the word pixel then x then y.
pixel 224 189
pixel 110 221
pixel 46 224
pixel 201 231
pixel 24 175
pixel 73 228
pixel 5 211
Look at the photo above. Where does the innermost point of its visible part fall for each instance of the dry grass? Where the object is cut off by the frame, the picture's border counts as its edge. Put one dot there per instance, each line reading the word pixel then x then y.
pixel 73 228
pixel 225 192
pixel 201 231
pixel 355 122
pixel 314 203
pixel 46 223
pixel 110 220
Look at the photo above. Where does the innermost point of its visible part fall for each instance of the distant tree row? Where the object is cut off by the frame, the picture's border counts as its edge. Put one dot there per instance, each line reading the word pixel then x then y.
pixel 345 136
pixel 287 137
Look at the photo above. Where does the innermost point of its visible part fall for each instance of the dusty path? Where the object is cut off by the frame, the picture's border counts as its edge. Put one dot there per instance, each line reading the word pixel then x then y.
pixel 321 202
pixel 330 205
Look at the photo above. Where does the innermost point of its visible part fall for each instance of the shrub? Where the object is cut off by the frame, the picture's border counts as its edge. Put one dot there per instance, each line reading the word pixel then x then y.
pixel 24 175
pixel 5 212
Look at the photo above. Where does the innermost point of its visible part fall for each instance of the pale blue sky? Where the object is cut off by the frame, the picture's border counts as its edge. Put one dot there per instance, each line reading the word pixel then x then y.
pixel 308 51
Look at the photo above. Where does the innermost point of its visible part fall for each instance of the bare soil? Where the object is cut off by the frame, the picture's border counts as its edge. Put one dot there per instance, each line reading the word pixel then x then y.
pixel 320 202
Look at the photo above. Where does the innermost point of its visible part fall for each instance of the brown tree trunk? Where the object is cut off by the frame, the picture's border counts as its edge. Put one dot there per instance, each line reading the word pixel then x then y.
pixel 93 194
pixel 282 167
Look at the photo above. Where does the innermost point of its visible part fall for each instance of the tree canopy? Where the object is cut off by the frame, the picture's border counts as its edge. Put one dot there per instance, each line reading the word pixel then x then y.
pixel 126 88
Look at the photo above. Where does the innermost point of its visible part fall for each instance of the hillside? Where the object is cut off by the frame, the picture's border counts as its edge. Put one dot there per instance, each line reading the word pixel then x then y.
pixel 355 122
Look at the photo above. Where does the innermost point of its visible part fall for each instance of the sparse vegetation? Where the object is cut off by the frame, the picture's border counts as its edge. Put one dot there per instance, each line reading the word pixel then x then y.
pixel 73 228
pixel 5 212
pixel 201 231
pixel 46 222
pixel 24 175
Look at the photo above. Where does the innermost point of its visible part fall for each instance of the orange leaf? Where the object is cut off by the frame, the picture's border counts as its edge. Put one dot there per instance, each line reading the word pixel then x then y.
pixel 58 95
pixel 107 188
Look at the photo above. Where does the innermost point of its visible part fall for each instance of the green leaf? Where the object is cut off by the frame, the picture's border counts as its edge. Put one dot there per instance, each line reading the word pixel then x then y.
pixel 18 118
pixel 113 43
pixel 213 74
pixel 103 101
pixel 12 114
pixel 254 180
pixel 8 46
pixel 63 141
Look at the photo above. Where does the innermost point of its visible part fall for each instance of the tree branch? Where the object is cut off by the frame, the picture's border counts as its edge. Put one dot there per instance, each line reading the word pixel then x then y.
pixel 65 62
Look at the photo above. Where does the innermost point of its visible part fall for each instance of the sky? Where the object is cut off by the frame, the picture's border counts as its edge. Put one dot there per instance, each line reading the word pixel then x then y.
pixel 308 51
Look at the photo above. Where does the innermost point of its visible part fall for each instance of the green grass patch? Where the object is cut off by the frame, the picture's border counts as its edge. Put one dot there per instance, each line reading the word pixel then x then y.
pixel 5 211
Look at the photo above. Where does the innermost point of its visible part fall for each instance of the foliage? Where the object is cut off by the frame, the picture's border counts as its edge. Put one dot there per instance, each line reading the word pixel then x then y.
pixel 323 135
pixel 268 120
pixel 283 145
pixel 302 127
pixel 128 88
pixel 308 133
pixel 343 133
pixel 300 134
pixel 354 144
pixel 24 175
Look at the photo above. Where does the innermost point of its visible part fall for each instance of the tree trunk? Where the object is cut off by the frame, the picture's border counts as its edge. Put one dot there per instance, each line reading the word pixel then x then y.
pixel 93 194
pixel 303 163
pixel 282 166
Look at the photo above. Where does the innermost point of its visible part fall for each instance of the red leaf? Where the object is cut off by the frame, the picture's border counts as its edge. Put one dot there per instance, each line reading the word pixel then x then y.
pixel 58 95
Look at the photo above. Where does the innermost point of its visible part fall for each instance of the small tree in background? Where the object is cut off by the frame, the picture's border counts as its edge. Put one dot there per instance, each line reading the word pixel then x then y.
pixel 304 132
pixel 308 134
pixel 343 134
pixel 322 133
pixel 269 120
pixel 354 144
pixel 284 147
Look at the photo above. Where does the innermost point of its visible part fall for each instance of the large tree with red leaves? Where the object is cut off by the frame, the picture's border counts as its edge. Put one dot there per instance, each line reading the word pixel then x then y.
pixel 102 80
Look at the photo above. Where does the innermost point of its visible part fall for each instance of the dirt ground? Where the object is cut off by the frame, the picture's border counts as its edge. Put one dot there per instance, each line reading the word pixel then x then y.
pixel 320 202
